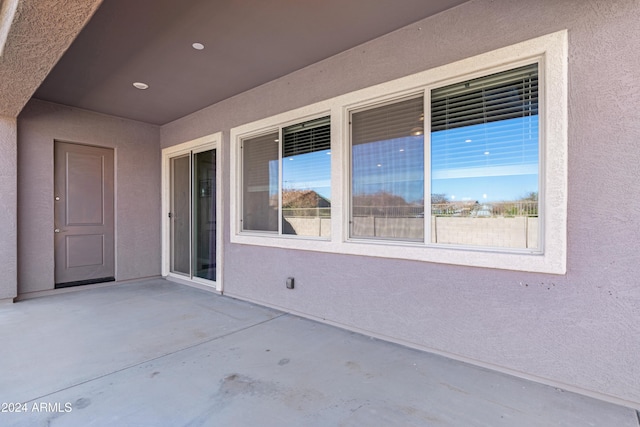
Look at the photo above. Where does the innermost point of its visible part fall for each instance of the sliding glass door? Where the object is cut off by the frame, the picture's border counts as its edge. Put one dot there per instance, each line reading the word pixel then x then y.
pixel 193 222
pixel 204 215
pixel 181 215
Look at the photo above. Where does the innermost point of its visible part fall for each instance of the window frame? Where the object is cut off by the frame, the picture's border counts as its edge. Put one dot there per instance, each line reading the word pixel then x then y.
pixel 264 132
pixel 425 92
pixel 551 53
pixel 538 59
pixel 349 156
pixel 272 128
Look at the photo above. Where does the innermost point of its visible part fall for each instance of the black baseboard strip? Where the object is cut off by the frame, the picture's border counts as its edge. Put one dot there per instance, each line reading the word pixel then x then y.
pixel 85 282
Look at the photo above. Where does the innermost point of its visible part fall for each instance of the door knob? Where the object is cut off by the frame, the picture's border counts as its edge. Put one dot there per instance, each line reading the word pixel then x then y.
pixel 57 230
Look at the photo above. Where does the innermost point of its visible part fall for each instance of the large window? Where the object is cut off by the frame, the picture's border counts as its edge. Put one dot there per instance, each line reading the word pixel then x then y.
pixel 306 178
pixel 287 180
pixel 387 171
pixel 485 161
pixel 463 164
pixel 484 167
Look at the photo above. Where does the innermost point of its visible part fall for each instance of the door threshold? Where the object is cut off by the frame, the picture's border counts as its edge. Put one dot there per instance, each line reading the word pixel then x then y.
pixel 209 287
pixel 85 282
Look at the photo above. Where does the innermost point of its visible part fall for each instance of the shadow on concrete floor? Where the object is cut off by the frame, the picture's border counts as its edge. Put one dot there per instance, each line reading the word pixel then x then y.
pixel 156 353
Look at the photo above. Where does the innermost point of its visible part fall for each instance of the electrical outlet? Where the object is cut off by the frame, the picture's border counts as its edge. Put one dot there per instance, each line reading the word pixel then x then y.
pixel 289 282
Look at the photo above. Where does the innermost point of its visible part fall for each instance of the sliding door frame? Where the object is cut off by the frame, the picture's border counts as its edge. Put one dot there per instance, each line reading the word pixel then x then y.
pixel 205 143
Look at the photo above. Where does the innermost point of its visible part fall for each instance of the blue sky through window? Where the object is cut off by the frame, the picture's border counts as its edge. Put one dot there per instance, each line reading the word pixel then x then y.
pixel 309 171
pixel 496 161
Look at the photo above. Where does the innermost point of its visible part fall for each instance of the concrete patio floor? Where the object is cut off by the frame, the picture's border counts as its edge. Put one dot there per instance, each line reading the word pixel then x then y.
pixel 156 353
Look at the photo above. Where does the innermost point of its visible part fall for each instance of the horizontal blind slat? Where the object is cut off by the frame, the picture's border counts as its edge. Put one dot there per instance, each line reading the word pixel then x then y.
pixel 397 120
pixel 500 96
pixel 307 137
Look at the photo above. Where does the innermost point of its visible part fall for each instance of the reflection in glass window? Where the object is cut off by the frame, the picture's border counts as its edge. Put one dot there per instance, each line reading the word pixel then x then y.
pixel 485 161
pixel 306 178
pixel 303 162
pixel 387 171
pixel 260 183
pixel 204 215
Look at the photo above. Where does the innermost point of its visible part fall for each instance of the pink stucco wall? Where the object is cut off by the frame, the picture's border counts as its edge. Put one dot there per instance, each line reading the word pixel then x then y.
pixel 8 203
pixel 137 171
pixel 580 330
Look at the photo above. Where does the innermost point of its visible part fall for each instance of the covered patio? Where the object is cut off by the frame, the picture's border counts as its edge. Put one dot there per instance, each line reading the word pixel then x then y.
pixel 157 353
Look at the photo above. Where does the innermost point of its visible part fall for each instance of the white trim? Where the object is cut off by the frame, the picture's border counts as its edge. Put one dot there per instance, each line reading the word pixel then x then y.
pixel 116 222
pixel 204 285
pixel 550 50
pixel 208 142
pixel 427 161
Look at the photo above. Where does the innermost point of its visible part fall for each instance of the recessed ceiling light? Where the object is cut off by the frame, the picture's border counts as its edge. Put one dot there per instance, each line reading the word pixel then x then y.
pixel 140 85
pixel 198 46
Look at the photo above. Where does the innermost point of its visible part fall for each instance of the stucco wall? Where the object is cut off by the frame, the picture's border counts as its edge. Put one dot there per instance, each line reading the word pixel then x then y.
pixel 8 203
pixel 137 189
pixel 580 330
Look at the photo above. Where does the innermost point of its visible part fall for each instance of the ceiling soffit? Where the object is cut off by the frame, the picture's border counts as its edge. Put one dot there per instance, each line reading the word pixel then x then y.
pixel 37 34
pixel 247 43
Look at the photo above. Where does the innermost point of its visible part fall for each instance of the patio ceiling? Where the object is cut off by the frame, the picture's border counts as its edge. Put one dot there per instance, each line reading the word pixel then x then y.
pixel 246 43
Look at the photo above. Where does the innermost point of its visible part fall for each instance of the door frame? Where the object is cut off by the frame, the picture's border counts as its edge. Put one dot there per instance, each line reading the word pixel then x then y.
pixel 208 142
